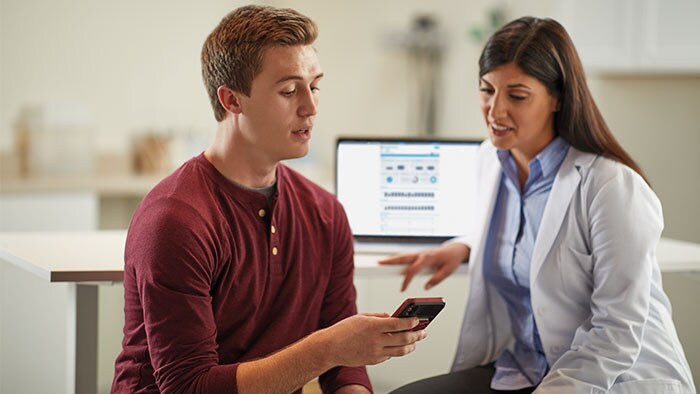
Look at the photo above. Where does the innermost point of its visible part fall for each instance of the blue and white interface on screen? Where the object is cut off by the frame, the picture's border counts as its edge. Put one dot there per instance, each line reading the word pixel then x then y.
pixel 394 188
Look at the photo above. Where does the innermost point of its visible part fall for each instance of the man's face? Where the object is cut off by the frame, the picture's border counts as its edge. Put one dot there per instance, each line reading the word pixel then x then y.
pixel 277 118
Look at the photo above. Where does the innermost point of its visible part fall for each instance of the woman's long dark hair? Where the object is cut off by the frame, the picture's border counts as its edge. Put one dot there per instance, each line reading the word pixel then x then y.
pixel 543 49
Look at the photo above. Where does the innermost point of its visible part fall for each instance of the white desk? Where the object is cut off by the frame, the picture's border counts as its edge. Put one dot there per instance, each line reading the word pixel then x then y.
pixel 93 256
pixel 98 256
pixel 82 260
pixel 673 255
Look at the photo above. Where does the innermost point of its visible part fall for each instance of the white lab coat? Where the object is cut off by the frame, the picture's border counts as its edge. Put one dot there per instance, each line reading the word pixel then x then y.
pixel 595 284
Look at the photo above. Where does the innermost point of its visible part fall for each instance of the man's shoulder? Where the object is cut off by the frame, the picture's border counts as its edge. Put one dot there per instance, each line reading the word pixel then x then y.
pixel 189 175
pixel 299 185
pixel 184 194
pixel 179 212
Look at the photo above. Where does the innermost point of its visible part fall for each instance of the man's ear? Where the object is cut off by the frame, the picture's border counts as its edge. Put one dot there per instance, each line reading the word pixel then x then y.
pixel 229 99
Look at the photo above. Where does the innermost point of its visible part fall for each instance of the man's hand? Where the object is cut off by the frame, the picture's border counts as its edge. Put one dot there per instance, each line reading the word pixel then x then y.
pixel 368 339
pixel 444 259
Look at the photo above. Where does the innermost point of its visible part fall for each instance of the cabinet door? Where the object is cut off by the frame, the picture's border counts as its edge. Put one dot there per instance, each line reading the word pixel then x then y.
pixel 628 36
pixel 48 211
pixel 602 30
pixel 670 35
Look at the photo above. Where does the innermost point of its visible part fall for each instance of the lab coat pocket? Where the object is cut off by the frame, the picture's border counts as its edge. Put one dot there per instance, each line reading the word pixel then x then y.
pixel 576 270
pixel 647 386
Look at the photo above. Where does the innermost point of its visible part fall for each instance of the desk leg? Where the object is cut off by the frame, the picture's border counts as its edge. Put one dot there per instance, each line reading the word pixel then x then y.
pixel 83 344
pixel 86 338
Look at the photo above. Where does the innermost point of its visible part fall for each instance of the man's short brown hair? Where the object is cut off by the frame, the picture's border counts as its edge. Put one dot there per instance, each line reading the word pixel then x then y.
pixel 232 54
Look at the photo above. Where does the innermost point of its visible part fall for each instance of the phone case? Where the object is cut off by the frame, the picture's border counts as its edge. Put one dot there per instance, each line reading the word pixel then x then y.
pixel 425 308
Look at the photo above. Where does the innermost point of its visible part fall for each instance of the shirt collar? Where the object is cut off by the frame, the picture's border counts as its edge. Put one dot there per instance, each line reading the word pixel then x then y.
pixel 552 155
pixel 549 159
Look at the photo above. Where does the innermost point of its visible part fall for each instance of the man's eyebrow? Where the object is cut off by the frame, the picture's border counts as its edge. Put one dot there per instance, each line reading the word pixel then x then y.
pixel 296 78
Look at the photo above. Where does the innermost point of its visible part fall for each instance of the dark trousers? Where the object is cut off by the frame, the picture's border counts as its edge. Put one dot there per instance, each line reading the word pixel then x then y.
pixel 470 381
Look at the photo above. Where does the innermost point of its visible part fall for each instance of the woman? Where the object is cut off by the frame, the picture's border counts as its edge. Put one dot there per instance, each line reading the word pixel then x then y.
pixel 565 293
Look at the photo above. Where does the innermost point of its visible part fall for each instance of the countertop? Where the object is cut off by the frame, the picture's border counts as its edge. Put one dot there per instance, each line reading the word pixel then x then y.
pixel 98 256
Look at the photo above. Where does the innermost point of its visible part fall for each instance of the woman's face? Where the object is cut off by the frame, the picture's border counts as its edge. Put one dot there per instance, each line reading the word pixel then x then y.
pixel 518 110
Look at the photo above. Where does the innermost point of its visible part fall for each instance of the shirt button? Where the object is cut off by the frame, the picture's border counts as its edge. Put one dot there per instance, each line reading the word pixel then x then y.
pixel 555 349
pixel 274 251
pixel 273 229
pixel 541 311
pixel 261 213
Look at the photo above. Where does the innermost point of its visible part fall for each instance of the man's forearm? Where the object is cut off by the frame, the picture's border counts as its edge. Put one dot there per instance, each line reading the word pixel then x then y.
pixel 355 341
pixel 287 370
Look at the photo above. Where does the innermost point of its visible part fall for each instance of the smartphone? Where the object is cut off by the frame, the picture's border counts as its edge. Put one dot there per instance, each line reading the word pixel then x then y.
pixel 425 309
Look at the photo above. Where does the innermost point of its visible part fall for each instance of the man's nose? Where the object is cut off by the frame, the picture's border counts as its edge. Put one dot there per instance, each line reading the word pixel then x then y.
pixel 309 104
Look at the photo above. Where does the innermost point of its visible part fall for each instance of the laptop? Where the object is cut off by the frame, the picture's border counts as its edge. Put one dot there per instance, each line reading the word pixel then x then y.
pixel 405 194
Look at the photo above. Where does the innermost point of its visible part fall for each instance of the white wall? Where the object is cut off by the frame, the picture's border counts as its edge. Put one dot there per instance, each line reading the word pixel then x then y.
pixel 136 65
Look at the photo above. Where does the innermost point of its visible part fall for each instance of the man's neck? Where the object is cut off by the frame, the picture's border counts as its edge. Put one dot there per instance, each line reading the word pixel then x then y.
pixel 237 160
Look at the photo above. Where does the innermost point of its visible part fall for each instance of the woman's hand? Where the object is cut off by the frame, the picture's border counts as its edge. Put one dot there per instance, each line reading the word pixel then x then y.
pixel 444 260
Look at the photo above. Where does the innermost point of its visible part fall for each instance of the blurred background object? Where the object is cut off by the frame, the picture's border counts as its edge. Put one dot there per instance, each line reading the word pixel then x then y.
pixel 423 45
pixel 55 139
pixel 495 18
pixel 151 154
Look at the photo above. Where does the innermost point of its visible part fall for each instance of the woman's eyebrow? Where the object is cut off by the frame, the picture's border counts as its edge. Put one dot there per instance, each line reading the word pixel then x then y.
pixel 518 85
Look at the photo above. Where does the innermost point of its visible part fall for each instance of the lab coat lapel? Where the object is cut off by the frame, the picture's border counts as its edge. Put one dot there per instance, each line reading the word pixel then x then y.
pixel 491 174
pixel 565 183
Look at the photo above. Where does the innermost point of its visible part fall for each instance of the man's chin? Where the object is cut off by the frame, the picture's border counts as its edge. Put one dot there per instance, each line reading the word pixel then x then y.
pixel 297 155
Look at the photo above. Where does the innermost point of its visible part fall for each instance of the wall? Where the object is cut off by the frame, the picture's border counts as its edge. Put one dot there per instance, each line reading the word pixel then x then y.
pixel 135 65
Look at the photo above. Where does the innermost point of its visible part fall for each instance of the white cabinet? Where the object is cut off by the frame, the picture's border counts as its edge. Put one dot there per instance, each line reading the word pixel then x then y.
pixel 49 211
pixel 634 36
pixel 38 321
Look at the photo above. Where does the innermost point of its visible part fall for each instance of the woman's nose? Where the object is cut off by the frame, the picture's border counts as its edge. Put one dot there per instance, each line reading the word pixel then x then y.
pixel 497 108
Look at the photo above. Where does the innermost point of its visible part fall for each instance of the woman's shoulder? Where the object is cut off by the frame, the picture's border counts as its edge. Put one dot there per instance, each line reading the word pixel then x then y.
pixel 601 169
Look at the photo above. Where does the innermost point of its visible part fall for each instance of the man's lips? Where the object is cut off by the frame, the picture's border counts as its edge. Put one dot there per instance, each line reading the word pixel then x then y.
pixel 304 134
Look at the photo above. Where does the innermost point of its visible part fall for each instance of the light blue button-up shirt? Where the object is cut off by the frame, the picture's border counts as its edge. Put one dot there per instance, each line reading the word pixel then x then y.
pixel 511 239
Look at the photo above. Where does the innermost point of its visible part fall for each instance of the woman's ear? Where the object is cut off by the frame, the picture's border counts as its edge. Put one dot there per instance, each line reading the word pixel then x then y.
pixel 229 99
pixel 556 104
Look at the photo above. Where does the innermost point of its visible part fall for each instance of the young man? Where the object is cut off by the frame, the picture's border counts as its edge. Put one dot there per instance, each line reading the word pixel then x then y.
pixel 238 270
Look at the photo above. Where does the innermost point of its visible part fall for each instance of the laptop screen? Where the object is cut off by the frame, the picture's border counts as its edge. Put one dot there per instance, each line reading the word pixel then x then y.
pixel 395 189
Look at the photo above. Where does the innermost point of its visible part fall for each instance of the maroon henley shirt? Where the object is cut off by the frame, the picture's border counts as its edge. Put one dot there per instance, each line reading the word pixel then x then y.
pixel 216 275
